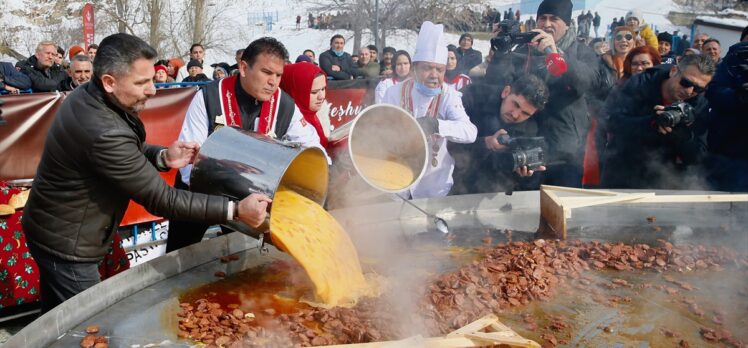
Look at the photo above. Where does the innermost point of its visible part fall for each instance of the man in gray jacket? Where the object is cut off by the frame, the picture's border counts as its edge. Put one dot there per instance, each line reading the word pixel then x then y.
pixel 95 160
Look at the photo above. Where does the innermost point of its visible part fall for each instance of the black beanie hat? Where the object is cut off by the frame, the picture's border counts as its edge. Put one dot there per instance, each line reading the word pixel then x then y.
pixel 665 37
pixel 558 8
pixel 194 62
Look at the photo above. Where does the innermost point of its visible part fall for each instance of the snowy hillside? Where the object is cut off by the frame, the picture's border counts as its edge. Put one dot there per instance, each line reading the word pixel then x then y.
pixel 241 24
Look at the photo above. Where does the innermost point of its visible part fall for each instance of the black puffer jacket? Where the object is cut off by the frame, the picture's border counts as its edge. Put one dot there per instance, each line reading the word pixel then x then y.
pixel 49 80
pixel 638 156
pixel 565 120
pixel 94 162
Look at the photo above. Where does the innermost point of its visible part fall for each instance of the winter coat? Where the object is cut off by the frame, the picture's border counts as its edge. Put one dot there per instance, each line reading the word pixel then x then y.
pixel 646 33
pixel 370 70
pixel 12 77
pixel 467 59
pixel 94 161
pixel 42 80
pixel 478 169
pixel 638 156
pixel 565 120
pixel 729 101
pixel 347 69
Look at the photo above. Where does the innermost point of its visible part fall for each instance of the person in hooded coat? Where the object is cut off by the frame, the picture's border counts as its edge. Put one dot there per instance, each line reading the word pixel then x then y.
pixel 306 84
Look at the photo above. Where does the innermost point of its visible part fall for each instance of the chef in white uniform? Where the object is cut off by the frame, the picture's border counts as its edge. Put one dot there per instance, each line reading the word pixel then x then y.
pixel 437 108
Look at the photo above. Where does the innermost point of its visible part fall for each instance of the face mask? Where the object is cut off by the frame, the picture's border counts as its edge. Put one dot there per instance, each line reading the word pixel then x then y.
pixel 429 92
pixel 338 53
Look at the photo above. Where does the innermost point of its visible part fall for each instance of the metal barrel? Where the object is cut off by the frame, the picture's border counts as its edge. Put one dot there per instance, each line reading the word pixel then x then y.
pixel 380 132
pixel 235 163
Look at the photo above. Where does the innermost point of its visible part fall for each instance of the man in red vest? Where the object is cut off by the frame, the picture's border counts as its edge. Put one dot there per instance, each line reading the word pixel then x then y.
pixel 251 101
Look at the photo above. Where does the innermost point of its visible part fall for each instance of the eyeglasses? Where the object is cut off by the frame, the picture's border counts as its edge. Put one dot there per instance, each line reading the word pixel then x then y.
pixel 686 83
pixel 620 37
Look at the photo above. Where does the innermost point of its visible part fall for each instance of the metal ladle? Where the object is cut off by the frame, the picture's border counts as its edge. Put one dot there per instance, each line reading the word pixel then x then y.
pixel 441 225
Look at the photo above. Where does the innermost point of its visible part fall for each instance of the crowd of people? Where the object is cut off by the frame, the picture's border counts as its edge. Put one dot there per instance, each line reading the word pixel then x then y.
pixel 530 112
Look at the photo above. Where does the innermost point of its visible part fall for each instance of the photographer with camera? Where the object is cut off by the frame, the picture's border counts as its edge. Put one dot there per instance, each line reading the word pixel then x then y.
pixel 555 56
pixel 507 150
pixel 728 99
pixel 657 125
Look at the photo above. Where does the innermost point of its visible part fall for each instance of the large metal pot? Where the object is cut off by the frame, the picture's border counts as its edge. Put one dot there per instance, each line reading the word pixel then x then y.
pixel 236 163
pixel 381 132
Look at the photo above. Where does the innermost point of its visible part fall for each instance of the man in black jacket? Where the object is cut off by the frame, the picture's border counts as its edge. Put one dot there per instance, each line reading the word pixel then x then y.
pixel 565 120
pixel 645 151
pixel 487 165
pixel 467 57
pixel 728 99
pixel 337 63
pixel 95 160
pixel 39 68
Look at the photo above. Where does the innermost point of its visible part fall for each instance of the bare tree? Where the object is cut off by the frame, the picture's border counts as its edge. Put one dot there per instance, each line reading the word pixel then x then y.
pixel 155 9
pixel 461 15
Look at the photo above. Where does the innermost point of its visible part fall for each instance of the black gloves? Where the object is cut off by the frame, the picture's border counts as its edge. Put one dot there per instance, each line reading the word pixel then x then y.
pixel 429 125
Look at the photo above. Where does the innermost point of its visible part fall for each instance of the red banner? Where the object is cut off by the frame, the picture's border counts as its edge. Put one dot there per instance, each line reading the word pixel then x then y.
pixel 29 116
pixel 88 25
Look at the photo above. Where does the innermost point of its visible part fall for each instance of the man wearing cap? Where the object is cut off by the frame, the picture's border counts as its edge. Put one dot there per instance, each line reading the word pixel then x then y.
pixel 436 107
pixel 467 57
pixel 251 101
pixel 555 56
pixel 197 52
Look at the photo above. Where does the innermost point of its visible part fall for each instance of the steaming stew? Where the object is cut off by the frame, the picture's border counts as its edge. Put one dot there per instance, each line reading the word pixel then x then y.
pixel 387 174
pixel 304 230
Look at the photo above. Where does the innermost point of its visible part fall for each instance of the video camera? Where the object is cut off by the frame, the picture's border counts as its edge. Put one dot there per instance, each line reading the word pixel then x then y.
pixel 676 114
pixel 525 151
pixel 509 37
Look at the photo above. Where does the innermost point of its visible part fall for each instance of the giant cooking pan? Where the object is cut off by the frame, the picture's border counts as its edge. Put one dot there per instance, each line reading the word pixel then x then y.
pixel 138 307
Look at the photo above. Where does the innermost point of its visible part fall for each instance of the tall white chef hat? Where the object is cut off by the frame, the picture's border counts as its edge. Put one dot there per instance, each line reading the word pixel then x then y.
pixel 431 46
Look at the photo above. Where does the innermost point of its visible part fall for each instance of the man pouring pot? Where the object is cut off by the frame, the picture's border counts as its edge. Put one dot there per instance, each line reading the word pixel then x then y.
pixel 95 161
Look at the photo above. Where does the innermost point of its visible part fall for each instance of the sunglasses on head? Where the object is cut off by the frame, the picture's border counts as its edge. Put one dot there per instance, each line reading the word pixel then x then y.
pixel 620 37
pixel 686 83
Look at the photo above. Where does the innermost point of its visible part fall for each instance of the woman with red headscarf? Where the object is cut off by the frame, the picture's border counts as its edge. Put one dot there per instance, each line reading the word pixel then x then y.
pixel 307 84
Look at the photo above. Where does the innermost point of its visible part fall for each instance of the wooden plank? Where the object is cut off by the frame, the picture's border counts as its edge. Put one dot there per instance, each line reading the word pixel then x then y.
pixel 496 338
pixel 693 199
pixel 579 190
pixel 592 201
pixel 552 216
pixel 475 326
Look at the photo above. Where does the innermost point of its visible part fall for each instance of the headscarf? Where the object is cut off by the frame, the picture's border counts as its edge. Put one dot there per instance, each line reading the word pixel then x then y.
pixel 297 82
pixel 450 74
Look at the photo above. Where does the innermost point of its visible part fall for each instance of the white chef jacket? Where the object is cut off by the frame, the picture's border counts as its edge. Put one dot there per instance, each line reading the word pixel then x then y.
pixel 454 126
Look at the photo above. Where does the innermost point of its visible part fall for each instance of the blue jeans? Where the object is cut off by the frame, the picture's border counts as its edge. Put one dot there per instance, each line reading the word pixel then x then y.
pixel 61 279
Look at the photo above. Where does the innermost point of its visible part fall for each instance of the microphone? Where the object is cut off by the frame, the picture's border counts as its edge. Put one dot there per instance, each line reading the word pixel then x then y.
pixel 554 63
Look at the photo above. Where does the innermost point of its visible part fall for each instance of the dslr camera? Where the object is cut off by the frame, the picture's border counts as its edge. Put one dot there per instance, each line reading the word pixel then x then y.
pixel 509 37
pixel 676 114
pixel 525 151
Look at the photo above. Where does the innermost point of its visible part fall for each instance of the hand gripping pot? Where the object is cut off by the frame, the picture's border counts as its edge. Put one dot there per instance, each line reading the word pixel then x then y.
pixel 235 163
pixel 382 148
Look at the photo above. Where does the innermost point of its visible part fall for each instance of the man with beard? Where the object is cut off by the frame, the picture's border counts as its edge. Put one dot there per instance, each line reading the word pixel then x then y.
pixel 40 69
pixel 95 161
pixel 251 101
pixel 557 58
pixel 437 108
pixel 80 71
pixel 643 150
pixel 487 165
